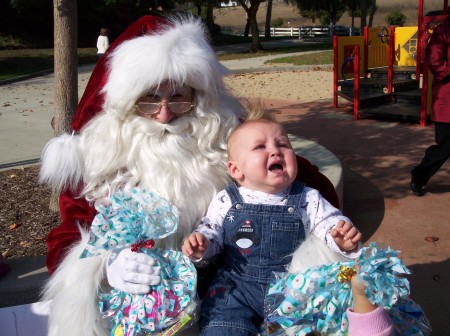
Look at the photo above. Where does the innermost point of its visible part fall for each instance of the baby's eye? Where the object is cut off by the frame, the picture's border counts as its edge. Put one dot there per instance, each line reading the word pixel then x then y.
pixel 284 145
pixel 260 147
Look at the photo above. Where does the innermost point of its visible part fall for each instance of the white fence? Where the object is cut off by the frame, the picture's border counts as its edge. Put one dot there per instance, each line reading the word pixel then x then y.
pixel 302 32
pixel 276 31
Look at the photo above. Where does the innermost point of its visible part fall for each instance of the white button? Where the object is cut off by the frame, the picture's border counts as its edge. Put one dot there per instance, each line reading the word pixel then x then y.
pixel 239 206
pixel 290 209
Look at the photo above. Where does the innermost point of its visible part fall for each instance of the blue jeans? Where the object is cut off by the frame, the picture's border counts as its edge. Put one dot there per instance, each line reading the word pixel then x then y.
pixel 229 309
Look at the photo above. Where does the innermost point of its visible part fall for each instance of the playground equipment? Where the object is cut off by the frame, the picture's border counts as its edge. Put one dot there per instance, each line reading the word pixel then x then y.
pixel 385 73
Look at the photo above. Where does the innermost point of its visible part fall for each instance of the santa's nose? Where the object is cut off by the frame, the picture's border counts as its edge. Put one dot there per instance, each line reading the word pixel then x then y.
pixel 165 115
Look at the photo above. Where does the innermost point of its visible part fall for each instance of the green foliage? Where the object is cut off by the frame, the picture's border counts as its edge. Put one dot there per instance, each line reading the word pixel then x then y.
pixel 16 63
pixel 327 11
pixel 11 42
pixel 278 22
pixel 319 58
pixel 395 18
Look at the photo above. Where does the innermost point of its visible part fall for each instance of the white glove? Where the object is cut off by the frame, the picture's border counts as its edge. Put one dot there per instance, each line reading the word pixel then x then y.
pixel 132 272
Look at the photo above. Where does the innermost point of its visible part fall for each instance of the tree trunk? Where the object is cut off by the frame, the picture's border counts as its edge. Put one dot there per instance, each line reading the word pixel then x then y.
pixel 66 70
pixel 247 27
pixel 253 10
pixel 363 15
pixel 372 11
pixel 210 18
pixel 268 18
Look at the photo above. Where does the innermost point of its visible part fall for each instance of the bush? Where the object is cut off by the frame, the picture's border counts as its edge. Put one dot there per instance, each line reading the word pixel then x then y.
pixel 278 22
pixel 11 42
pixel 395 18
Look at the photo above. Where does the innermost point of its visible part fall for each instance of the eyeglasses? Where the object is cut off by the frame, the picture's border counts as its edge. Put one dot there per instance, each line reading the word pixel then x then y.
pixel 177 108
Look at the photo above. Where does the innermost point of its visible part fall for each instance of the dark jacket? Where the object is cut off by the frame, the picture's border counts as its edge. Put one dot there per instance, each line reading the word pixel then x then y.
pixel 438 57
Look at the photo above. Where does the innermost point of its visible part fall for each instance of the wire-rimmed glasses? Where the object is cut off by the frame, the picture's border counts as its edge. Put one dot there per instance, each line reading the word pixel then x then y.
pixel 177 108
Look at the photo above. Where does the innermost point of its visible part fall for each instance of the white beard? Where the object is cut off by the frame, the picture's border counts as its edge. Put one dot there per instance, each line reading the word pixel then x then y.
pixel 168 159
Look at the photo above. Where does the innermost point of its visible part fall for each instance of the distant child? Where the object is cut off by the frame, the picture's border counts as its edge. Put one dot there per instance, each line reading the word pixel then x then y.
pixel 257 223
pixel 102 42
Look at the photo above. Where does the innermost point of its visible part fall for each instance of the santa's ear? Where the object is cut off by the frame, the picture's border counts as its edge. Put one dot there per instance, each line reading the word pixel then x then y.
pixel 234 170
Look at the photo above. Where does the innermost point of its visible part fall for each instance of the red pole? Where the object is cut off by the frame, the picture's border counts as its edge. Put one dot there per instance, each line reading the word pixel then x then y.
pixel 356 82
pixel 391 59
pixel 335 71
pixel 366 50
pixel 445 6
pixel 419 39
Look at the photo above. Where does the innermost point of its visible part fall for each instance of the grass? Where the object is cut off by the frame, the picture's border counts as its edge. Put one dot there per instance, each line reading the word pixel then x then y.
pixel 313 46
pixel 21 62
pixel 320 58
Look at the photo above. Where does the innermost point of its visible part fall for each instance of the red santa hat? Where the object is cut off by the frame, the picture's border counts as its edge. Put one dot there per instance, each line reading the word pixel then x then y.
pixel 149 52
pixel 92 100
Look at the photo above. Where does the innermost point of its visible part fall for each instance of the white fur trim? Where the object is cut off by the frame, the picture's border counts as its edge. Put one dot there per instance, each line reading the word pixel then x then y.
pixel 180 53
pixel 61 162
pixel 312 252
pixel 73 291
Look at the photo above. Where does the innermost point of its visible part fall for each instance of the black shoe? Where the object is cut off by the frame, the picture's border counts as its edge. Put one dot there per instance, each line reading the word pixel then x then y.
pixel 416 187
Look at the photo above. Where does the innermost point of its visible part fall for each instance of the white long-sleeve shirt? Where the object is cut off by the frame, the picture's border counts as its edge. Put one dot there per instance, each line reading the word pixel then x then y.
pixel 318 216
pixel 102 44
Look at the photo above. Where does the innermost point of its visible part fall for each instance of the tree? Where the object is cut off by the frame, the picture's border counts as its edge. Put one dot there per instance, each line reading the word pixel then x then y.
pixel 268 19
pixel 65 69
pixel 252 22
pixel 395 18
pixel 327 11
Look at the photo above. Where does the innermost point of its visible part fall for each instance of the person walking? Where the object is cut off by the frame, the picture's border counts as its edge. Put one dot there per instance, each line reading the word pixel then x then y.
pixel 102 42
pixel 438 57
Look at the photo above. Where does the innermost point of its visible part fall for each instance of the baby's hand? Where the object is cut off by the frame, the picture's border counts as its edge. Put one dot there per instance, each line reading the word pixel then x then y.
pixel 360 302
pixel 195 245
pixel 346 236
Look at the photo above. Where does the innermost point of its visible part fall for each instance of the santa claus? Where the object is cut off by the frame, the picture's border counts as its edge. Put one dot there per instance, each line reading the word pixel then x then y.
pixel 155 115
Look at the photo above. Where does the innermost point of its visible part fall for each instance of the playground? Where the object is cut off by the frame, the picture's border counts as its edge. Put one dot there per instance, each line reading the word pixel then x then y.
pixel 384 73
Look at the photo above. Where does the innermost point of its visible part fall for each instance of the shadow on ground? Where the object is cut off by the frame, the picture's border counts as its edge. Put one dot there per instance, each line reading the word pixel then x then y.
pixel 376 156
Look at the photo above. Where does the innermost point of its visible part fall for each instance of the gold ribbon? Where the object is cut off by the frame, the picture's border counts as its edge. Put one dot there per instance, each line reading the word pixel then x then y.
pixel 345 274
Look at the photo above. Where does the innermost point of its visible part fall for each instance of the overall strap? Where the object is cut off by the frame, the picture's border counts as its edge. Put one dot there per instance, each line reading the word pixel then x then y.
pixel 295 194
pixel 234 194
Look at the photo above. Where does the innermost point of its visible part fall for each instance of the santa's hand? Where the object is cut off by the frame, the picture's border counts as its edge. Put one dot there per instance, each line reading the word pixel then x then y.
pixel 346 236
pixel 132 272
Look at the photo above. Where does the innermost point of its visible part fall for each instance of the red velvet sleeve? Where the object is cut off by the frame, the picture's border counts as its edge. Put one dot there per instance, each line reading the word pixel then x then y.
pixel 74 212
pixel 310 175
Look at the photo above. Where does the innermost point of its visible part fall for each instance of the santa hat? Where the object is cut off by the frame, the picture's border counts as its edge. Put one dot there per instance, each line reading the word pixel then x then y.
pixel 149 52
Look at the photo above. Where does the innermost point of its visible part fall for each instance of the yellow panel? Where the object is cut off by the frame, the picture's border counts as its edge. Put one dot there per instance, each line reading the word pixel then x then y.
pixel 345 43
pixel 377 49
pixel 405 46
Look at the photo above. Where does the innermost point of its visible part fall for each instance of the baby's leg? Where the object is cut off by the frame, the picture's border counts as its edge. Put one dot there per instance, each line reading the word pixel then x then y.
pixel 226 311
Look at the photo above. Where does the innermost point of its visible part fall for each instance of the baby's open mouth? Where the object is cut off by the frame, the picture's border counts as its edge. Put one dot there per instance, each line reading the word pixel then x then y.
pixel 276 168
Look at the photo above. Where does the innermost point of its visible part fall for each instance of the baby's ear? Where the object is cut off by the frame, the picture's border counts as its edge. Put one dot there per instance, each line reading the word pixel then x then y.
pixel 234 170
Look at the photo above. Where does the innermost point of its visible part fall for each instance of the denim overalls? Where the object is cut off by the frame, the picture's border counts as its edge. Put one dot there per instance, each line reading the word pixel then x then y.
pixel 258 240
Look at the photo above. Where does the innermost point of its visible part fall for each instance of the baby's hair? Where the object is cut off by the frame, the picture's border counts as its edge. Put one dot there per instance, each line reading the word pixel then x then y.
pixel 256 112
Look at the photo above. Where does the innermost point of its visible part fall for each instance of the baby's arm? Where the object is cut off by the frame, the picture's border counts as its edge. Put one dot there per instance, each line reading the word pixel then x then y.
pixel 366 318
pixel 207 239
pixel 195 245
pixel 328 224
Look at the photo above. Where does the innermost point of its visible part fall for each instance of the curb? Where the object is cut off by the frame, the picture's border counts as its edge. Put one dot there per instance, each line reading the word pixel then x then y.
pixel 25 77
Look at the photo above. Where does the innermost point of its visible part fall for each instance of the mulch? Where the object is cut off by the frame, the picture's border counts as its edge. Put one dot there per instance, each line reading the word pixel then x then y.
pixel 25 215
